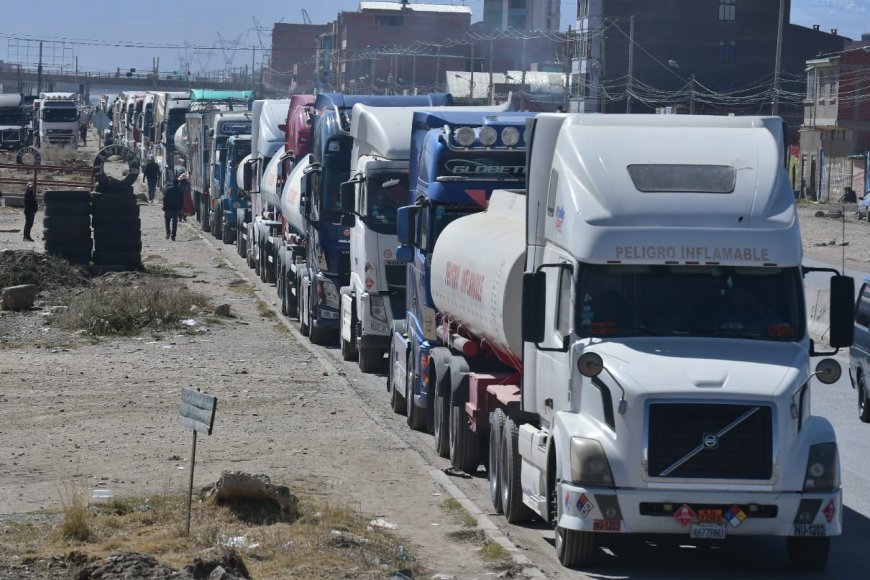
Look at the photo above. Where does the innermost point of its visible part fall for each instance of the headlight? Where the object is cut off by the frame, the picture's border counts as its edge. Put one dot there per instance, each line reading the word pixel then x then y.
pixel 589 464
pixel 488 136
pixel 464 136
pixel 329 293
pixel 510 136
pixel 823 468
pixel 376 308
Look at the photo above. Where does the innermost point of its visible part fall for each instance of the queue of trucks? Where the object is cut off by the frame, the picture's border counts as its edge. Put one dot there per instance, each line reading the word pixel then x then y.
pixel 49 120
pixel 604 312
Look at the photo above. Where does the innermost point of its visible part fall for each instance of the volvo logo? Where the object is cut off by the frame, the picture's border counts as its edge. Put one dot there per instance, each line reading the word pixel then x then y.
pixel 711 441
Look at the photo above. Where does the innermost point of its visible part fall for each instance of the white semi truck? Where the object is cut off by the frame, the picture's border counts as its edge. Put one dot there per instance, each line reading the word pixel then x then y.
pixel 378 187
pixel 58 120
pixel 628 337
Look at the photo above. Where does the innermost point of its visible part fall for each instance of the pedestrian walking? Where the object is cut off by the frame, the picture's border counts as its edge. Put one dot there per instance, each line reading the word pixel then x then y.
pixel 30 207
pixel 187 208
pixel 83 131
pixel 149 175
pixel 172 204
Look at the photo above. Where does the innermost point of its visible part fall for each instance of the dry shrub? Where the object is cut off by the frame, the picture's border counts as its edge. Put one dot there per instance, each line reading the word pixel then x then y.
pixel 112 309
pixel 29 267
pixel 76 519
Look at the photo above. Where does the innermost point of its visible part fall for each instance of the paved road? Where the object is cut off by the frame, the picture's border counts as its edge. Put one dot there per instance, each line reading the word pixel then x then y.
pixel 668 557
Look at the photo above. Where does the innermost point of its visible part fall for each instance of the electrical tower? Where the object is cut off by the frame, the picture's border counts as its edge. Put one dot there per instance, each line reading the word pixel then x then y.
pixel 305 18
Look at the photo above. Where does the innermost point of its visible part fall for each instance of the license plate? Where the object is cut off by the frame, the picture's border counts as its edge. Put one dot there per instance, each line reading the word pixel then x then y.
pixel 707 531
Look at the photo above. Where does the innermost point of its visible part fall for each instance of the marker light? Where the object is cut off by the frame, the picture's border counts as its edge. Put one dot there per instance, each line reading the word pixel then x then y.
pixel 488 136
pixel 464 136
pixel 510 136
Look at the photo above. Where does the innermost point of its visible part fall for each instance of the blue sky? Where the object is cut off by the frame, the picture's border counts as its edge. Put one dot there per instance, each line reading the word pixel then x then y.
pixel 155 25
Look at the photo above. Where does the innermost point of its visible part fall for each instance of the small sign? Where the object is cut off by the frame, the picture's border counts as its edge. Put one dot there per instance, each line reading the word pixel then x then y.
pixel 707 531
pixel 607 525
pixel 197 410
pixel 685 515
pixel 830 511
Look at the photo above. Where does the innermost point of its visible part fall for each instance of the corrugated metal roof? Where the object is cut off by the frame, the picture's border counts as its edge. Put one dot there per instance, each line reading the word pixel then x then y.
pixel 414 7
pixel 459 82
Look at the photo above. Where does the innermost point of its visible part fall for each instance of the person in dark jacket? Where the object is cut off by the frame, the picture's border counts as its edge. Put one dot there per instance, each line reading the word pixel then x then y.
pixel 30 207
pixel 149 175
pixel 173 201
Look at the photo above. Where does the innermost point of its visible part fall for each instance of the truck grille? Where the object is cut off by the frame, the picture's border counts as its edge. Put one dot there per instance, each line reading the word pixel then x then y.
pixel 10 136
pixel 395 274
pixel 710 441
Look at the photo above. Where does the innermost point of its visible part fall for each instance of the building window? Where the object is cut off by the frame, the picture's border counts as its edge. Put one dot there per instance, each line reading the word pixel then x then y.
pixel 727 9
pixel 727 51
pixel 388 20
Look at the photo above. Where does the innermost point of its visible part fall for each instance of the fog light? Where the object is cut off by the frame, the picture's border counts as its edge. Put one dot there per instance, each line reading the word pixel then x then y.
pixel 464 136
pixel 510 136
pixel 609 506
pixel 807 511
pixel 488 136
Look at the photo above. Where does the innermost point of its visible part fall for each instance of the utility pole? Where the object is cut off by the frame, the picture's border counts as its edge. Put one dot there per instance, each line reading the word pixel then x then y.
pixel 157 73
pixel 692 94
pixel 491 91
pixel 471 92
pixel 437 67
pixel 629 84
pixel 78 92
pixel 39 71
pixel 253 64
pixel 774 109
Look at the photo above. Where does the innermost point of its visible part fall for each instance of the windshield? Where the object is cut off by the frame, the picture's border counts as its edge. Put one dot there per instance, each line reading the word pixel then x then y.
pixel 60 115
pixel 240 151
pixel 385 193
pixel 738 302
pixel 442 215
pixel 16 119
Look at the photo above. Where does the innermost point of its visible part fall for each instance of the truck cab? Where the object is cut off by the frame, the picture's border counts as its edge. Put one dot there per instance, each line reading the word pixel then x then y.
pixel 225 126
pixel 58 120
pixel 227 162
pixel 15 131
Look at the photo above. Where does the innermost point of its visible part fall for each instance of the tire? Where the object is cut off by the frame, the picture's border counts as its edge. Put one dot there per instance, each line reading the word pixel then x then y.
pixel 227 234
pixel 496 426
pixel 264 276
pixel 125 259
pixel 119 223
pixel 574 548
pixel 111 213
pixel 292 301
pixel 464 443
pixel 863 400
pixel 76 196
pixel 413 414
pixel 371 360
pixel 205 222
pixel 270 270
pixel 68 248
pixel 217 224
pixel 241 246
pixel 397 401
pixel 81 221
pixel 64 209
pixel 441 419
pixel 37 156
pixel 257 265
pixel 509 475
pixel 808 553
pixel 280 288
pixel 113 200
pixel 303 305
pixel 66 235
pixel 117 246
pixel 319 335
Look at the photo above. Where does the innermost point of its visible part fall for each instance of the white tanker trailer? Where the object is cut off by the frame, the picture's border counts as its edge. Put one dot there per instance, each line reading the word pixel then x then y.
pixel 599 339
pixel 180 139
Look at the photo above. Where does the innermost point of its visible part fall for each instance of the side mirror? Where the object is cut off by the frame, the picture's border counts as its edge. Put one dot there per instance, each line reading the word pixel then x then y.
pixel 842 311
pixel 406 224
pixel 303 205
pixel 405 254
pixel 534 304
pixel 247 177
pixel 347 190
pixel 348 220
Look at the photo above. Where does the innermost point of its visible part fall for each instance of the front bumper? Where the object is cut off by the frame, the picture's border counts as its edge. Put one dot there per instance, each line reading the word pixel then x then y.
pixel 581 509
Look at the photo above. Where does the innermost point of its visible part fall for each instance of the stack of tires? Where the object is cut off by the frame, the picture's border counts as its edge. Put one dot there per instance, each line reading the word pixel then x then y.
pixel 117 230
pixel 67 225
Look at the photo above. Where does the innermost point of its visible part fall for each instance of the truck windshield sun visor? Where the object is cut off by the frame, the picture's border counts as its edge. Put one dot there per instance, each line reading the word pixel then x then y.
pixel 683 178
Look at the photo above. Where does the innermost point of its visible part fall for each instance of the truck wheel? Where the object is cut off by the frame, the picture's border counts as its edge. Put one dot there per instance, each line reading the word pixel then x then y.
pixel 808 553
pixel 269 272
pixel 205 220
pixel 464 443
pixel 255 260
pixel 227 234
pixel 574 548
pixel 509 475
pixel 863 402
pixel 281 289
pixel 319 335
pixel 292 301
pixel 261 256
pixel 218 223
pixel 441 412
pixel 496 426
pixel 414 415
pixel 371 360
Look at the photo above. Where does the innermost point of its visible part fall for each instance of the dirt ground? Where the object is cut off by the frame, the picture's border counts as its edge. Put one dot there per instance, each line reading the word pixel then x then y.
pixel 104 414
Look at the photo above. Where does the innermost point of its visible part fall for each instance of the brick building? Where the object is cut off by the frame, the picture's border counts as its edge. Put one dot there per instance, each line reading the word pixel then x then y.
pixel 292 66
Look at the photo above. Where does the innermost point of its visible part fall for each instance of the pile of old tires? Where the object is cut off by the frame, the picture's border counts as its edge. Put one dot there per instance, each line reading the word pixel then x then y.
pixel 67 225
pixel 117 230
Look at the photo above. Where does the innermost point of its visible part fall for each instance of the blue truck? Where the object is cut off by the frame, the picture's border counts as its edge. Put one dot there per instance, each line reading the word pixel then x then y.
pixel 325 268
pixel 226 165
pixel 457 159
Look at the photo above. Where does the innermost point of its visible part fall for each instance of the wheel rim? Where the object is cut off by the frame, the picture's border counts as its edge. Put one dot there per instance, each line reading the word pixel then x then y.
pixel 503 475
pixel 494 491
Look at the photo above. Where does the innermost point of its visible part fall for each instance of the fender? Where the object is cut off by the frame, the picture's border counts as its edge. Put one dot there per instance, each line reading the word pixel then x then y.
pixel 459 380
pixel 439 367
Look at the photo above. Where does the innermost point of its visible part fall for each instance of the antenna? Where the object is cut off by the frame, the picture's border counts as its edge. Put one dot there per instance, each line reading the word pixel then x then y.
pixel 305 18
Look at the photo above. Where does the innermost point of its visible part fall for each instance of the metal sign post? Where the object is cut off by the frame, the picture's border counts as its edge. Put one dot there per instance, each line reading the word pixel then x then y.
pixel 197 414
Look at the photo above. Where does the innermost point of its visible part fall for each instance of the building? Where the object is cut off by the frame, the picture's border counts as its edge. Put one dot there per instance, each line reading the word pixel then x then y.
pixel 521 14
pixel 292 66
pixel 701 56
pixel 835 134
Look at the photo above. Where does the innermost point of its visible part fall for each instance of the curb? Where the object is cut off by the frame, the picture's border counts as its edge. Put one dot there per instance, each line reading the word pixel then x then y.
pixel 487 525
